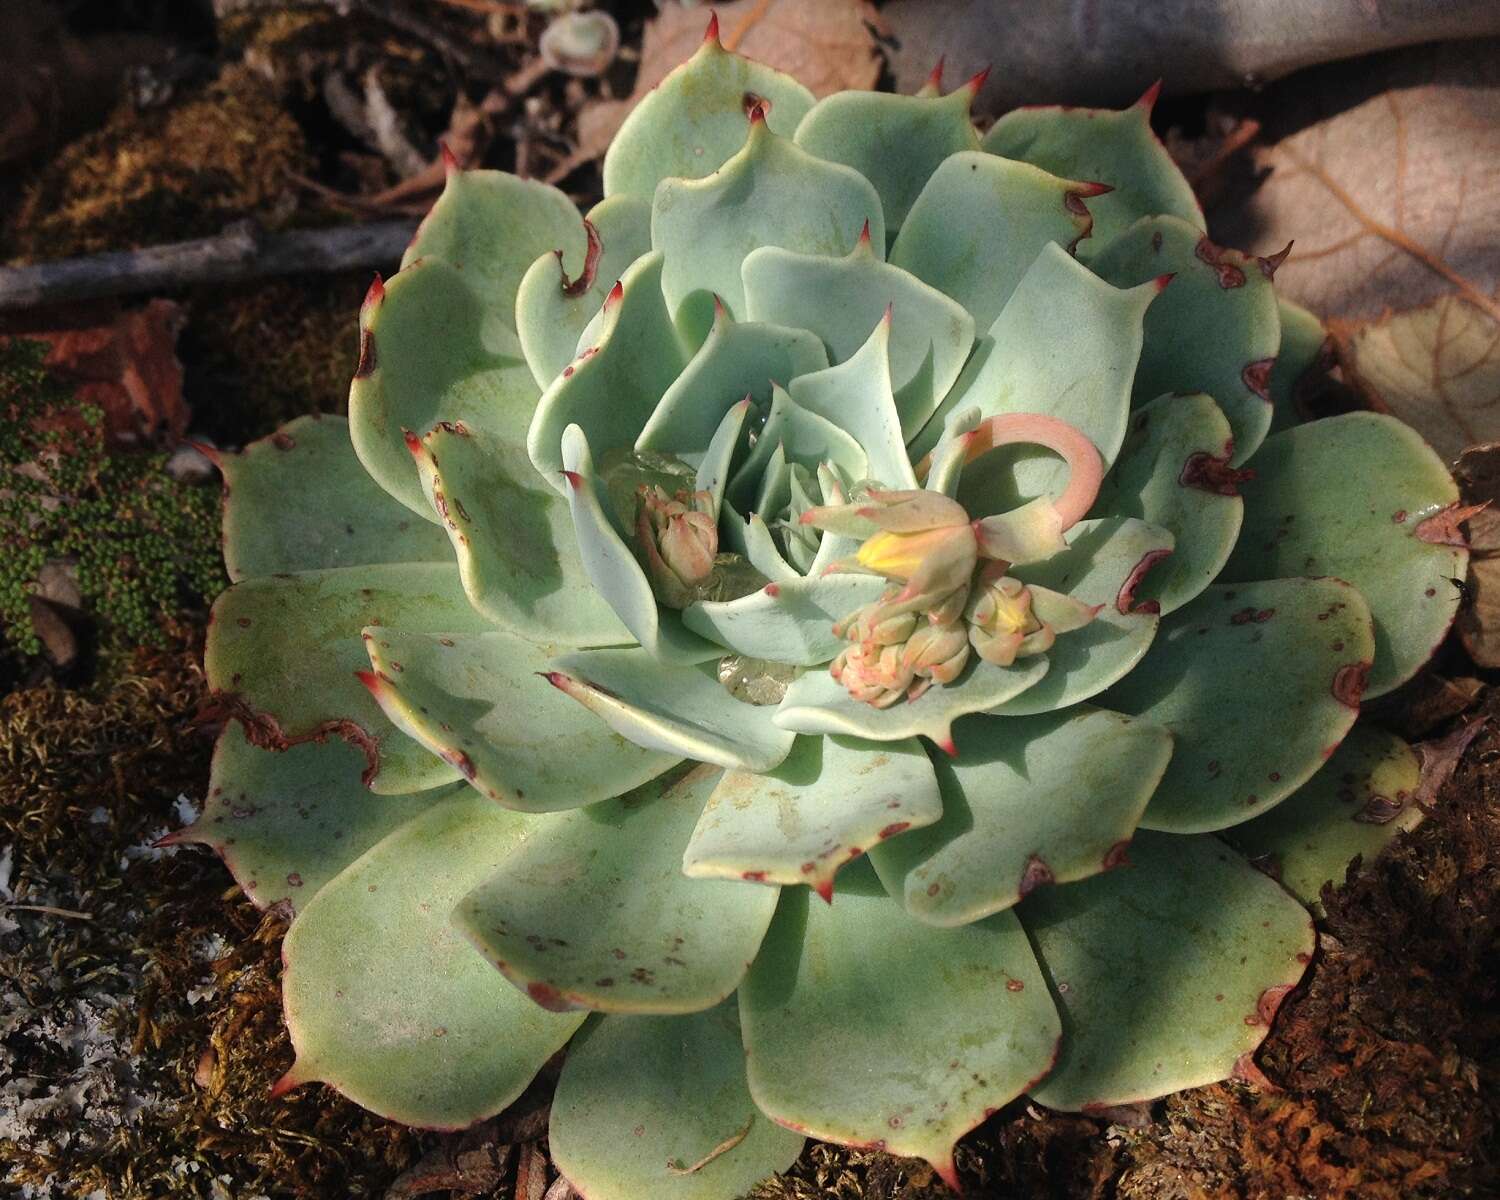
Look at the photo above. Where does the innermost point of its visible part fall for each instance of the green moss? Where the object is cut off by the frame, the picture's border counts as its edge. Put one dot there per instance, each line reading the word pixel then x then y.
pixel 144 545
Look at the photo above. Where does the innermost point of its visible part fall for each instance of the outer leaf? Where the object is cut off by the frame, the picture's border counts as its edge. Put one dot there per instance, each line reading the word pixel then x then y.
pixel 1356 805
pixel 1216 328
pixel 611 390
pixel 475 700
pixel 817 703
pixel 842 299
pixel 595 912
pixel 1101 562
pixel 981 221
pixel 896 142
pixel 1066 344
pixel 694 120
pixel 738 359
pixel 1306 353
pixel 646 1105
pixel 769 194
pixel 830 801
pixel 1167 972
pixel 553 308
pixel 1174 471
pixel 1027 802
pixel 946 1025
pixel 415 1026
pixel 513 538
pixel 857 396
pixel 1117 148
pixel 283 651
pixel 432 351
pixel 287 822
pixel 1258 684
pixel 491 226
pixel 682 710
pixel 1348 496
pixel 299 500
pixel 613 569
pixel 790 622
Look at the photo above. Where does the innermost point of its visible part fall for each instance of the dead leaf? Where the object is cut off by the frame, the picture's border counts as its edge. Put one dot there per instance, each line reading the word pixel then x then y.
pixel 1440 758
pixel 826 46
pixel 1387 174
pixel 1436 367
pixel 1478 476
pixel 129 369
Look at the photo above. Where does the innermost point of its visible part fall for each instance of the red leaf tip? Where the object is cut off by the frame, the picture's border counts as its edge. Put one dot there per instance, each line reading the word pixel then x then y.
pixel 948 746
pixel 825 890
pixel 370 680
pixel 575 480
pixel 1092 187
pixel 557 679
pixel 375 293
pixel 413 442
pixel 450 160
pixel 1271 262
pixel 864 233
pixel 757 112
pixel 616 294
pixel 890 313
pixel 720 312
pixel 1149 97
pixel 977 82
pixel 1161 281
pixel 935 80
pixel 711 34
pixel 286 1083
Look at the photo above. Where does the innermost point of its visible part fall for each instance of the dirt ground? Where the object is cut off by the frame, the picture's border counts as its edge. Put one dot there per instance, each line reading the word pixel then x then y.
pixel 140 1024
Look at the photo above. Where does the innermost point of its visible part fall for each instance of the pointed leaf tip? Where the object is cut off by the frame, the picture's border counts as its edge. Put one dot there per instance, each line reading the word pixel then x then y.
pixel 825 890
pixel 575 480
pixel 935 79
pixel 376 292
pixel 413 442
pixel 616 294
pixel 711 34
pixel 1270 263
pixel 948 746
pixel 1092 187
pixel 948 1173
pixel 370 680
pixel 721 313
pixel 977 82
pixel 864 233
pixel 757 112
pixel 1149 97
pixel 450 160
pixel 1161 281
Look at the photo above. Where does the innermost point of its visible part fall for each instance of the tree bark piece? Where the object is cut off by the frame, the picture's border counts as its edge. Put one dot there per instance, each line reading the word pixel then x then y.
pixel 1108 52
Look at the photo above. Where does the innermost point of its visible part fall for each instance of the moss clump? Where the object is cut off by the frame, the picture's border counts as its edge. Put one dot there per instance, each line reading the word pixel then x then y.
pixel 225 154
pixel 140 1015
pixel 144 545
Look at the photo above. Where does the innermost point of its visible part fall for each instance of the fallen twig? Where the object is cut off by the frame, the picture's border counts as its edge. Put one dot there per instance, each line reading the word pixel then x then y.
pixel 240 253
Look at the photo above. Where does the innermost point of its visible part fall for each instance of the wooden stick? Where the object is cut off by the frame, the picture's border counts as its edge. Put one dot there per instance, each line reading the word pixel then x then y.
pixel 240 253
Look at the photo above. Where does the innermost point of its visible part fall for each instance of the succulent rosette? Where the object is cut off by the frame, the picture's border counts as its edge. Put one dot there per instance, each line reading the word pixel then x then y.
pixel 850 509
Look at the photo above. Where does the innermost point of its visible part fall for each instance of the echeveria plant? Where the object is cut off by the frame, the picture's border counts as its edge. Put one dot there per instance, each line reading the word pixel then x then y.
pixel 882 619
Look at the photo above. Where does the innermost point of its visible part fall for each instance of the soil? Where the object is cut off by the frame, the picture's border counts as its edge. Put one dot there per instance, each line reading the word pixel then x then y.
pixel 140 1024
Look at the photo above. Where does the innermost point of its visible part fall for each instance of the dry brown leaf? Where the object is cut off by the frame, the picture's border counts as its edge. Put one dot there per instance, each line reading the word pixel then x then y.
pixel 826 46
pixel 1436 367
pixel 1386 172
pixel 1478 476
pixel 129 369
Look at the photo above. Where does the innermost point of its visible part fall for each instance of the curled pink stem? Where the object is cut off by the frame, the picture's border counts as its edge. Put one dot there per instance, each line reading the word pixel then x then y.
pixel 1085 467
